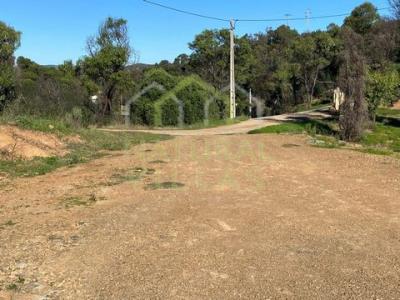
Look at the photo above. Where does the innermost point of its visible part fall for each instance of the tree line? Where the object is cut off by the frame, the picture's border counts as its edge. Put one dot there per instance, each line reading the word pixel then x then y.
pixel 286 68
pixel 283 67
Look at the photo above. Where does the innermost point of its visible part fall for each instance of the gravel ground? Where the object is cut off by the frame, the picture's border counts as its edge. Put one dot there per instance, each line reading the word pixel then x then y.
pixel 258 217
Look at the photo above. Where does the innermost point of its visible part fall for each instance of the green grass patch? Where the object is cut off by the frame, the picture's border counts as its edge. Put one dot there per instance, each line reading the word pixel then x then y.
pixel 293 128
pixel 44 125
pixel 323 141
pixel 383 138
pixel 164 186
pixel 388 112
pixel 376 151
pixel 114 141
pixel 311 127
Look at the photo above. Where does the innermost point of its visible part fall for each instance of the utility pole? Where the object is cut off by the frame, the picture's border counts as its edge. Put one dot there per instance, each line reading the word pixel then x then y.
pixel 250 103
pixel 287 19
pixel 308 19
pixel 232 75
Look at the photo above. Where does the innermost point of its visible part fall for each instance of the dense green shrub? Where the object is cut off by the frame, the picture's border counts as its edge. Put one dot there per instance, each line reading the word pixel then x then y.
pixel 193 97
pixel 78 117
pixel 162 108
pixel 382 89
pixel 142 112
pixel 170 112
pixel 46 91
pixel 199 100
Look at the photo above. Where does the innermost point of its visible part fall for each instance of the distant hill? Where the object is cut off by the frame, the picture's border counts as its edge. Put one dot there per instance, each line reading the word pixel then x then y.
pixel 140 66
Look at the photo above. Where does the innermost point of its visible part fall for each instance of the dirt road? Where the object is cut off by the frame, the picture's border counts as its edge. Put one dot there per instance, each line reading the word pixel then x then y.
pixel 258 217
pixel 242 127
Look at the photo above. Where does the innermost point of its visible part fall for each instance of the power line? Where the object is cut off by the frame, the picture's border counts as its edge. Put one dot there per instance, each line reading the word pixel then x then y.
pixel 302 18
pixel 186 12
pixel 232 39
pixel 252 20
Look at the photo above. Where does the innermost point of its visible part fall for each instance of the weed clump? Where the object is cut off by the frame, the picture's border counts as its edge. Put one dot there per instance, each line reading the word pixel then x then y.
pixel 164 186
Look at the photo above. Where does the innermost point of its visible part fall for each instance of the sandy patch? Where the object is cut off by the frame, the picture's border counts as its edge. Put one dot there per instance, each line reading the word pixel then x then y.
pixel 26 144
pixel 396 105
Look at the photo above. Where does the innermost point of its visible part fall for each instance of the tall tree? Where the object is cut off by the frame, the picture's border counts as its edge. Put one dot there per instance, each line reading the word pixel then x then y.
pixel 272 74
pixel 382 44
pixel 9 42
pixel 362 18
pixel 312 53
pixel 181 64
pixel 210 56
pixel 353 114
pixel 109 54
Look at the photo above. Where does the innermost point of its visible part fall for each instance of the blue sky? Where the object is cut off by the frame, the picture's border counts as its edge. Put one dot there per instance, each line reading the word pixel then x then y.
pixel 56 30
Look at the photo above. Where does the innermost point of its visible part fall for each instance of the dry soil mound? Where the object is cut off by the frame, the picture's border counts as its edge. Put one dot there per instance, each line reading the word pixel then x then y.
pixel 26 144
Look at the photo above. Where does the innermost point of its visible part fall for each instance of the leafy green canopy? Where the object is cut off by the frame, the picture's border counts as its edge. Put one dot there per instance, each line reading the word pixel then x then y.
pixel 362 18
pixel 9 42
pixel 382 89
pixel 109 54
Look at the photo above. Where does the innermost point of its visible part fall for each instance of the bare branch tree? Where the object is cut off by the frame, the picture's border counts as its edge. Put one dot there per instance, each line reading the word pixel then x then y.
pixel 353 114
pixel 395 5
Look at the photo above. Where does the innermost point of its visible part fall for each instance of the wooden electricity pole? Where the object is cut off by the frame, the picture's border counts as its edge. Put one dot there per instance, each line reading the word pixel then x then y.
pixel 232 75
pixel 250 103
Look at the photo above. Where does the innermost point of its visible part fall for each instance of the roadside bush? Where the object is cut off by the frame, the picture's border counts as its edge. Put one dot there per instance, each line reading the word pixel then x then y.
pixel 382 89
pixel 170 113
pixel 193 98
pixel 79 117
pixel 46 91
pixel 142 112
pixel 217 108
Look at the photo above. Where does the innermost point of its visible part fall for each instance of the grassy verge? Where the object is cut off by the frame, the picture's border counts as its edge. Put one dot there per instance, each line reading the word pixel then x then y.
pixel 384 139
pixel 388 112
pixel 40 124
pixel 311 127
pixel 94 145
